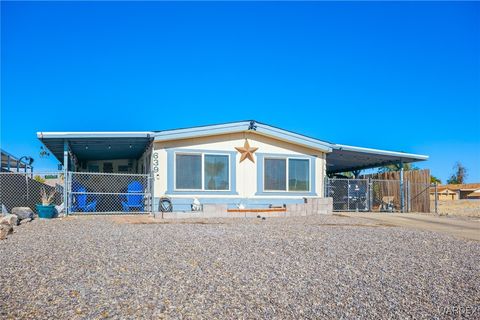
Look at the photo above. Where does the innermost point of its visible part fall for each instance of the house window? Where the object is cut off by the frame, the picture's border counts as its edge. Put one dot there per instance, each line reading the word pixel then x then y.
pixel 276 174
pixel 216 172
pixel 298 175
pixel 276 171
pixel 203 172
pixel 93 168
pixel 108 167
pixel 188 171
pixel 122 169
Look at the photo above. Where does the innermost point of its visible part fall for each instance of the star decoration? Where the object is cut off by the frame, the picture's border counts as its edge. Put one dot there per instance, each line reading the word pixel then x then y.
pixel 246 151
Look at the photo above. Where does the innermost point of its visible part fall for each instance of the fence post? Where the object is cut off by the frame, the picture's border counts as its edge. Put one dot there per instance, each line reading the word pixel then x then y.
pixel 348 195
pixel 65 177
pixel 151 190
pixel 436 198
pixel 409 199
pixel 402 195
pixel 370 194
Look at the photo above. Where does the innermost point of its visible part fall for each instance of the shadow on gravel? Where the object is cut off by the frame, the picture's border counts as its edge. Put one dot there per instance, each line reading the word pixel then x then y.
pixel 172 222
pixel 149 220
pixel 353 225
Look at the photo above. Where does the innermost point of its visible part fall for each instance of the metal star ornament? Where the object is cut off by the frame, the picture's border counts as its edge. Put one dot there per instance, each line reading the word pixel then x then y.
pixel 246 151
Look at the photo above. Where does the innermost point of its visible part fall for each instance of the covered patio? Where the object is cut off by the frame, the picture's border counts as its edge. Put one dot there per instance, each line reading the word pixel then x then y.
pixel 107 172
pixel 344 158
pixel 107 152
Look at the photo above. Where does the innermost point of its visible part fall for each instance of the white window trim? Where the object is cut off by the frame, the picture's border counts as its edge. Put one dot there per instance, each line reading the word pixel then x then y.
pixel 202 154
pixel 287 159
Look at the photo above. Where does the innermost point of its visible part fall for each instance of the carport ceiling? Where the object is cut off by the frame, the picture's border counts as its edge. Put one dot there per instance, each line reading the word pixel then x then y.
pixel 113 148
pixel 86 149
pixel 345 158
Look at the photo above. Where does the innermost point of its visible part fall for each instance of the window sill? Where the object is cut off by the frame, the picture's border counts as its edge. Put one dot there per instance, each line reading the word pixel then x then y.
pixel 201 192
pixel 286 193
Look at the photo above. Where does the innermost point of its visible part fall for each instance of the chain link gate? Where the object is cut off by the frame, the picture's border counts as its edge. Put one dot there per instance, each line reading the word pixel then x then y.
pixel 348 194
pixel 364 194
pixel 386 195
pixel 109 193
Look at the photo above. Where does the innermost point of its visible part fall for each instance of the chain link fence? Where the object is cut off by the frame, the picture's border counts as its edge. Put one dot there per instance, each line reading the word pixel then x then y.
pixel 18 189
pixel 377 195
pixel 116 193
pixel 109 193
pixel 87 193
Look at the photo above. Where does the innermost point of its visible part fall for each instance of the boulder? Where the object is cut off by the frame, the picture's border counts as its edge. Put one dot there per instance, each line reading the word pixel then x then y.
pixel 23 213
pixel 5 230
pixel 24 221
pixel 10 219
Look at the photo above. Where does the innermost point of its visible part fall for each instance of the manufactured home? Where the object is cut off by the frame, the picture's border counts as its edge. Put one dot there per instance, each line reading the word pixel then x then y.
pixel 245 164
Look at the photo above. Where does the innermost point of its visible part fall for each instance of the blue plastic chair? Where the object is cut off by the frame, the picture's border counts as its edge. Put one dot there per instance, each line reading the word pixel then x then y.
pixel 80 200
pixel 133 201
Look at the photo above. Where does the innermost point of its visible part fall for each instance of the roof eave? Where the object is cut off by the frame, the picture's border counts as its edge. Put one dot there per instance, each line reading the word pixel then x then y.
pixel 243 126
pixel 187 133
pixel 416 157
pixel 104 134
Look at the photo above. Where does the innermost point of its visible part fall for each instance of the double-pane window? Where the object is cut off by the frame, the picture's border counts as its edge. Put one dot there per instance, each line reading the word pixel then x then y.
pixel 202 172
pixel 276 171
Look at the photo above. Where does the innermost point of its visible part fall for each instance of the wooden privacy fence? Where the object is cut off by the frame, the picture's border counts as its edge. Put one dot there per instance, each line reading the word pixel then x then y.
pixel 416 188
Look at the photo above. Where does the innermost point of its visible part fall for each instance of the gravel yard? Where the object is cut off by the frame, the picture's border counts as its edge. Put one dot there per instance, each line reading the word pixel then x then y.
pixel 303 267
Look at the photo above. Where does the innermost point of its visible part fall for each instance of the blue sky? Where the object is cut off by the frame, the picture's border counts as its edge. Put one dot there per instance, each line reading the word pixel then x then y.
pixel 396 76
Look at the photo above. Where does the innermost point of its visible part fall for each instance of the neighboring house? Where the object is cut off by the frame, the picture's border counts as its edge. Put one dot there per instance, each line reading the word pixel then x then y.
pixel 456 191
pixel 242 163
pixel 444 195
pixel 474 195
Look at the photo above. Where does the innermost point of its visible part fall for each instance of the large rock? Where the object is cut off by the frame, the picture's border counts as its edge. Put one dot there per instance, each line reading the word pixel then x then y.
pixel 23 213
pixel 5 230
pixel 10 219
pixel 24 221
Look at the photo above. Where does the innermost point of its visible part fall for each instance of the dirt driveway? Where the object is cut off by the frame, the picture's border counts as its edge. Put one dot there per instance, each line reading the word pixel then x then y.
pixel 467 228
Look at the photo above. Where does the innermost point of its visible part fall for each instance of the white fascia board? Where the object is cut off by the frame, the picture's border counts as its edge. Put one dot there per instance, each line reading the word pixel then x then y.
pixel 92 135
pixel 242 127
pixel 178 134
pixel 381 152
pixel 294 138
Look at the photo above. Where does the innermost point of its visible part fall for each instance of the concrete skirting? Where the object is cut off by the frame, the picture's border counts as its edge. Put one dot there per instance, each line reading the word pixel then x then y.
pixel 312 206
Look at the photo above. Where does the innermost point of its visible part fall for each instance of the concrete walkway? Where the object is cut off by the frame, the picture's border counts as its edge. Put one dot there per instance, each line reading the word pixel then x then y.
pixel 458 227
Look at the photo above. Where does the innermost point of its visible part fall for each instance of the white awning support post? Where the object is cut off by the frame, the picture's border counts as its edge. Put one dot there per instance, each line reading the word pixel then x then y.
pixel 65 177
pixel 402 189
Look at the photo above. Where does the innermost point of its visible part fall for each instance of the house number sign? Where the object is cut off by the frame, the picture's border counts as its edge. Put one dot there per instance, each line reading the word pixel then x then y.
pixel 155 162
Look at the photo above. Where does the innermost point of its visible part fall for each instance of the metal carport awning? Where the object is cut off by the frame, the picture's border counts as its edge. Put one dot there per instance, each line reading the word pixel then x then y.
pixel 345 158
pixel 97 145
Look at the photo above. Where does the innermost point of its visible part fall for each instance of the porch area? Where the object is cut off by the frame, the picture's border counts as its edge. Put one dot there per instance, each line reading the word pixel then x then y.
pixel 106 173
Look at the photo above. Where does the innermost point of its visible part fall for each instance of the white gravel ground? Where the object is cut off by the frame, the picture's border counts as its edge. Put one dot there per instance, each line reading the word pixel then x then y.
pixel 283 268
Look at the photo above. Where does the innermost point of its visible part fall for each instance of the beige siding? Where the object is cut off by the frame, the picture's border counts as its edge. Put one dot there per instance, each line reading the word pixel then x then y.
pixel 246 172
